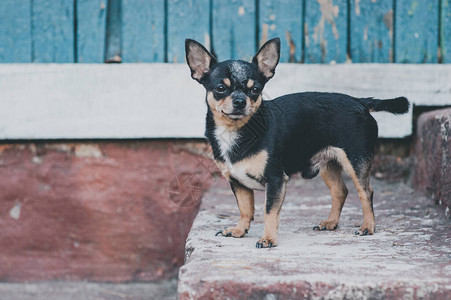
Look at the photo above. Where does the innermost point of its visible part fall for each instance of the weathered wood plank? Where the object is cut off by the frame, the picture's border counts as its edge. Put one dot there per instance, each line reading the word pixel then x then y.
pixel 416 33
pixel 187 19
pixel 70 100
pixel 371 31
pixel 445 33
pixel 15 31
pixel 143 30
pixel 91 27
pixel 234 32
pixel 52 31
pixel 325 30
pixel 113 45
pixel 282 19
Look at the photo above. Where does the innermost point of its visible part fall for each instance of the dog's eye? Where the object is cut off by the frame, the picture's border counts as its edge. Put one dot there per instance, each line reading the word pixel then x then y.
pixel 255 90
pixel 220 89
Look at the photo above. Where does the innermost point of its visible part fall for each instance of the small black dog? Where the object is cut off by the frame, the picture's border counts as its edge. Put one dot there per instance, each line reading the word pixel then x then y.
pixel 258 144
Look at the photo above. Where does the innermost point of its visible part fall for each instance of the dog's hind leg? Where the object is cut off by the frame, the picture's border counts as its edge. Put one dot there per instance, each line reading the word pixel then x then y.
pixel 331 174
pixel 360 175
pixel 363 176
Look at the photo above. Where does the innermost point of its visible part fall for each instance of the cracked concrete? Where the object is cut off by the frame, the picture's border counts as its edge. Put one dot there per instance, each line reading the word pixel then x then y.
pixel 408 257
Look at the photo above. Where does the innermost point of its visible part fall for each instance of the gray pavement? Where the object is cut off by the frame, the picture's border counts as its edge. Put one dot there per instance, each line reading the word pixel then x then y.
pixel 88 291
pixel 409 256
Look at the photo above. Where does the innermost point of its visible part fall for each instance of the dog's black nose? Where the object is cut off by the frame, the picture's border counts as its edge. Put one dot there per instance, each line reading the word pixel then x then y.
pixel 239 103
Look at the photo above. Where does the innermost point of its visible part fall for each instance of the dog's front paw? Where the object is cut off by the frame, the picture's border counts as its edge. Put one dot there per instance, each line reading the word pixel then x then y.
pixel 265 242
pixel 327 225
pixel 366 229
pixel 235 232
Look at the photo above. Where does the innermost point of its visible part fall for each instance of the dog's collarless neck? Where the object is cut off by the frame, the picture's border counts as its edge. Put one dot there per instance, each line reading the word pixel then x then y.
pixel 232 145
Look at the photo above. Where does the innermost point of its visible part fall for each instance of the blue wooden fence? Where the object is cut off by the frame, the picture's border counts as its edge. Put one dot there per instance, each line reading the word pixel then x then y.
pixel 312 31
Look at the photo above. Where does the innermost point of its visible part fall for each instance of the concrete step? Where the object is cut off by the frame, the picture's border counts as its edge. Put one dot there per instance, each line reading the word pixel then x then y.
pixel 408 257
pixel 164 290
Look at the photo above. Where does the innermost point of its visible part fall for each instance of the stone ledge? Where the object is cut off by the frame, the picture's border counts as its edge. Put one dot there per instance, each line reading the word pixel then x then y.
pixel 408 257
pixel 164 290
pixel 80 93
pixel 433 156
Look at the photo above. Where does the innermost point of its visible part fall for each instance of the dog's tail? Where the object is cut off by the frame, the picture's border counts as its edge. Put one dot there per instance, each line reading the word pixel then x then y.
pixel 395 106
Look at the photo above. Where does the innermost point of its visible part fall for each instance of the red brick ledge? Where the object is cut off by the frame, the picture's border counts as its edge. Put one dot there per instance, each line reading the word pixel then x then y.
pixel 100 211
pixel 433 156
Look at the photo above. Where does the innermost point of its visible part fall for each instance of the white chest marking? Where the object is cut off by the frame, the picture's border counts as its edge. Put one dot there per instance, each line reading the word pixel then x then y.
pixel 253 166
pixel 226 140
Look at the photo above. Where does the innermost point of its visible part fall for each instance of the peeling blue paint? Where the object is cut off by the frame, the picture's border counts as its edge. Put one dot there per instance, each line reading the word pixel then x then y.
pixel 445 31
pixel 416 31
pixel 326 31
pixel 52 31
pixel 15 31
pixel 311 31
pixel 91 27
pixel 283 19
pixel 143 30
pixel 371 31
pixel 186 19
pixel 233 29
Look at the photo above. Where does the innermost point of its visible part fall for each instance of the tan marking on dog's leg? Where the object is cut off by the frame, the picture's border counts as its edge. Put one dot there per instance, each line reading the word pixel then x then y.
pixel 269 238
pixel 332 176
pixel 227 82
pixel 224 171
pixel 369 223
pixel 250 83
pixel 364 179
pixel 245 200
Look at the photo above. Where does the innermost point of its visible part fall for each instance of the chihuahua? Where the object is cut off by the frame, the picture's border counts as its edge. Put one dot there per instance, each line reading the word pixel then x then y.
pixel 259 144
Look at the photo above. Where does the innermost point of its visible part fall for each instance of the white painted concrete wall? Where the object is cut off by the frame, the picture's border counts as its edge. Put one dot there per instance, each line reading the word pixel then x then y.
pixel 71 101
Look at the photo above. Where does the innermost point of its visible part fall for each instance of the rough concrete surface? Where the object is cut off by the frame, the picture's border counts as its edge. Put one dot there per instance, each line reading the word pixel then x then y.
pixel 408 257
pixel 164 290
pixel 97 211
pixel 433 156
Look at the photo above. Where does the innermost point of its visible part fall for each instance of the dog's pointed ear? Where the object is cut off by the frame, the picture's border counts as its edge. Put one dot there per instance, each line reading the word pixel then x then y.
pixel 267 58
pixel 199 59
